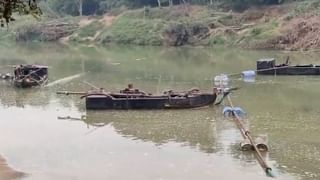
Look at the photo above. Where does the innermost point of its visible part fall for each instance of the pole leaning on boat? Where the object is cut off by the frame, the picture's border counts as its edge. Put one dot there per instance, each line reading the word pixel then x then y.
pixel 248 140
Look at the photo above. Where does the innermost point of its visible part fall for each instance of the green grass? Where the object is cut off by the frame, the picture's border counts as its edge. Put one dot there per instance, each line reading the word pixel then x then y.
pixel 311 7
pixel 255 31
pixel 179 25
pixel 134 31
pixel 150 26
pixel 91 29
pixel 217 40
pixel 260 34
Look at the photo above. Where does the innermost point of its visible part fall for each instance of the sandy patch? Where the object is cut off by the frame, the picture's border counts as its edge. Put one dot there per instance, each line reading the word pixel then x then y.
pixel 7 172
pixel 108 20
pixel 85 20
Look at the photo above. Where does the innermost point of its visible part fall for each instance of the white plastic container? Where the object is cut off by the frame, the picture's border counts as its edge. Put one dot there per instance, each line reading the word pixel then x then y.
pixel 221 80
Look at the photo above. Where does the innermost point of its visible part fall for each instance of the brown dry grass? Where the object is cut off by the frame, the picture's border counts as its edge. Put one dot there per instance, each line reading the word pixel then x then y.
pixel 301 33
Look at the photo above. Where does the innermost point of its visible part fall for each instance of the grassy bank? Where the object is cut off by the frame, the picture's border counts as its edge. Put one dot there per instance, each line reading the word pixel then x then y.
pixel 182 25
pixel 288 26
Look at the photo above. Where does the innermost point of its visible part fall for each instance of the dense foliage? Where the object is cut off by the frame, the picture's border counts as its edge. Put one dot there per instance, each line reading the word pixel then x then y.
pixel 7 7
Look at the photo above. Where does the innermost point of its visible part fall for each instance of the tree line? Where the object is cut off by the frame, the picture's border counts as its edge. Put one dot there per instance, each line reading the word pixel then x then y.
pixel 92 7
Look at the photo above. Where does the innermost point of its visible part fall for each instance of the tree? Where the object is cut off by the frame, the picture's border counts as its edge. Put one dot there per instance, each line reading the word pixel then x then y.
pixel 23 7
pixel 80 7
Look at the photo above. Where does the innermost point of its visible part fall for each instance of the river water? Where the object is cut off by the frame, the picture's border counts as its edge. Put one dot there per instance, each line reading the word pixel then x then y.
pixel 155 145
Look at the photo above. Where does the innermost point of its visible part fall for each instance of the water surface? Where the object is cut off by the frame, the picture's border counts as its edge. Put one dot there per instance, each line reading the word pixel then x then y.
pixel 159 145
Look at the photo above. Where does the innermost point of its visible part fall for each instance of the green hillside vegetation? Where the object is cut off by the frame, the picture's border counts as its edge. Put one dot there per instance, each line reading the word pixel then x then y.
pixel 262 24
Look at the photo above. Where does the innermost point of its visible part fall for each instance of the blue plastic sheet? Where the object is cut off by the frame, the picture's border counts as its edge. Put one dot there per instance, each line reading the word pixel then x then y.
pixel 229 111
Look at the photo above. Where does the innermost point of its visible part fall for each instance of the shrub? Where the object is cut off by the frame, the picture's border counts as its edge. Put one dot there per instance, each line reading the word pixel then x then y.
pixel 256 31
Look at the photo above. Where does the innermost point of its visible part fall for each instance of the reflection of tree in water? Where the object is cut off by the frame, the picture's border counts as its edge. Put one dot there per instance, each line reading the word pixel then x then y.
pixel 8 63
pixel 190 127
pixel 10 96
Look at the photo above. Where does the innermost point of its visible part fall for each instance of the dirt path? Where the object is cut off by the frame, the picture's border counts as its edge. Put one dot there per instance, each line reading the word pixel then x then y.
pixel 108 20
pixel 86 20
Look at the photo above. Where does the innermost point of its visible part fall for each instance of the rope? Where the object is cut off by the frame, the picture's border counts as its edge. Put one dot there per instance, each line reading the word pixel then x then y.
pixel 261 70
pixel 246 134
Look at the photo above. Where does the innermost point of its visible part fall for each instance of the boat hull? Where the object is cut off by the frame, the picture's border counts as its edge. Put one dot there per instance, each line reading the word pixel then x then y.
pixel 100 102
pixel 269 67
pixel 292 70
pixel 28 84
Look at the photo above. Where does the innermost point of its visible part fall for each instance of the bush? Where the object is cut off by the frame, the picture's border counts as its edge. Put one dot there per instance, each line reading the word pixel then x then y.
pixel 91 29
pixel 256 31
pixel 176 34
pixel 217 40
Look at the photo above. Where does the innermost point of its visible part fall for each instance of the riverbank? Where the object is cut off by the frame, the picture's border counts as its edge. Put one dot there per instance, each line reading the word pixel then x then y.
pixel 292 26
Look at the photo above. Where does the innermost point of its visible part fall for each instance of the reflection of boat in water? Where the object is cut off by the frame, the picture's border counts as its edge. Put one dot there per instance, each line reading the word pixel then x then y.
pixel 269 67
pixel 192 128
pixel 130 98
pixel 26 76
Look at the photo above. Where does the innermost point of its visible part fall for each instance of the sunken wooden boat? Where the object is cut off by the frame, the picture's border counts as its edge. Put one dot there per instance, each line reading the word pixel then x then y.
pixel 26 76
pixel 269 67
pixel 136 99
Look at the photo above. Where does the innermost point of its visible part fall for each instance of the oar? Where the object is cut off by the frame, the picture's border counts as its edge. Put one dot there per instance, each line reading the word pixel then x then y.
pixel 82 118
pixel 95 87
pixel 71 93
pixel 5 66
pixel 260 70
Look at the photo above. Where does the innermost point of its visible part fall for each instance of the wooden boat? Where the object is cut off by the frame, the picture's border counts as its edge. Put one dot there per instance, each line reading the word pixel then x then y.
pixel 269 67
pixel 26 76
pixel 136 99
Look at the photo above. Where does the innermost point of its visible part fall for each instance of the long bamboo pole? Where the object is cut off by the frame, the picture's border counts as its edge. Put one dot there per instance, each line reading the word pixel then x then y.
pixel 246 133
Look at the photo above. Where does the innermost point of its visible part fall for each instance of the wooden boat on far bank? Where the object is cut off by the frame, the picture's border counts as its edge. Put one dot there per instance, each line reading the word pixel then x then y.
pixel 130 98
pixel 269 67
pixel 26 76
